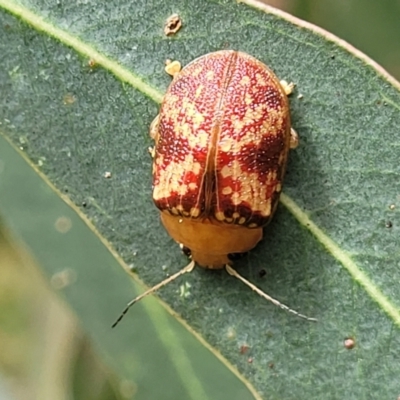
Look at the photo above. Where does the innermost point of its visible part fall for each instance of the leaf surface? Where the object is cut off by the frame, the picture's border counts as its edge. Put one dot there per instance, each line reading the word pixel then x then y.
pixel 331 252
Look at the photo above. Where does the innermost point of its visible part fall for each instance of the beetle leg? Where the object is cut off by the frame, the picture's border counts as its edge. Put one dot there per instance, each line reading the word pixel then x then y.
pixel 154 128
pixel 287 87
pixel 294 139
pixel 154 134
pixel 173 68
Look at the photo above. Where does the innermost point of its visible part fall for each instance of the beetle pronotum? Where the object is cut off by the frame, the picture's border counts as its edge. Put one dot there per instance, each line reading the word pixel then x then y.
pixel 221 144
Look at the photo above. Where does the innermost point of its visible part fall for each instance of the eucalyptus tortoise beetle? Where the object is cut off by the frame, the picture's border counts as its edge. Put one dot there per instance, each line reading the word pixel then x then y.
pixel 222 139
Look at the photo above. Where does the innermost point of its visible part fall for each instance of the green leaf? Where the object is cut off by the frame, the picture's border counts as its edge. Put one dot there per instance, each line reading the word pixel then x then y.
pixel 331 252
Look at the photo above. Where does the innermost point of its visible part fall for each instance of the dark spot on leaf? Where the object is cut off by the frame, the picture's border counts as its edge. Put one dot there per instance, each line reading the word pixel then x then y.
pixel 244 349
pixel 236 256
pixel 172 25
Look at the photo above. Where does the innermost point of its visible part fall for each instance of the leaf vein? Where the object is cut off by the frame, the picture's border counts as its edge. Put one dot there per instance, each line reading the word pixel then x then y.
pixel 344 258
pixel 82 48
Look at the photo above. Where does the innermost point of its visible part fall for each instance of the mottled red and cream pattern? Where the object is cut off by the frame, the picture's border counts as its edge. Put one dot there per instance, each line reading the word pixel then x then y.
pixel 222 141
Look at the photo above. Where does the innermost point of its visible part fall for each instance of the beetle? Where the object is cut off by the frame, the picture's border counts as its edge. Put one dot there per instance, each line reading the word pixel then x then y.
pixel 221 144
pixel 222 139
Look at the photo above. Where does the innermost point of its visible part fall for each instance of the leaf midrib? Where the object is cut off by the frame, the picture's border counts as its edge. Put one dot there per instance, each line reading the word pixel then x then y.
pixel 82 48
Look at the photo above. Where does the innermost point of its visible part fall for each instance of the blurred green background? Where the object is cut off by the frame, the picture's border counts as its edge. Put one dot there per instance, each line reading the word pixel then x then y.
pixel 371 26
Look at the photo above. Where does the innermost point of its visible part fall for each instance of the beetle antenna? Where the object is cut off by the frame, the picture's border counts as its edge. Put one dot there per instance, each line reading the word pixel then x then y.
pixel 188 268
pixel 234 273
